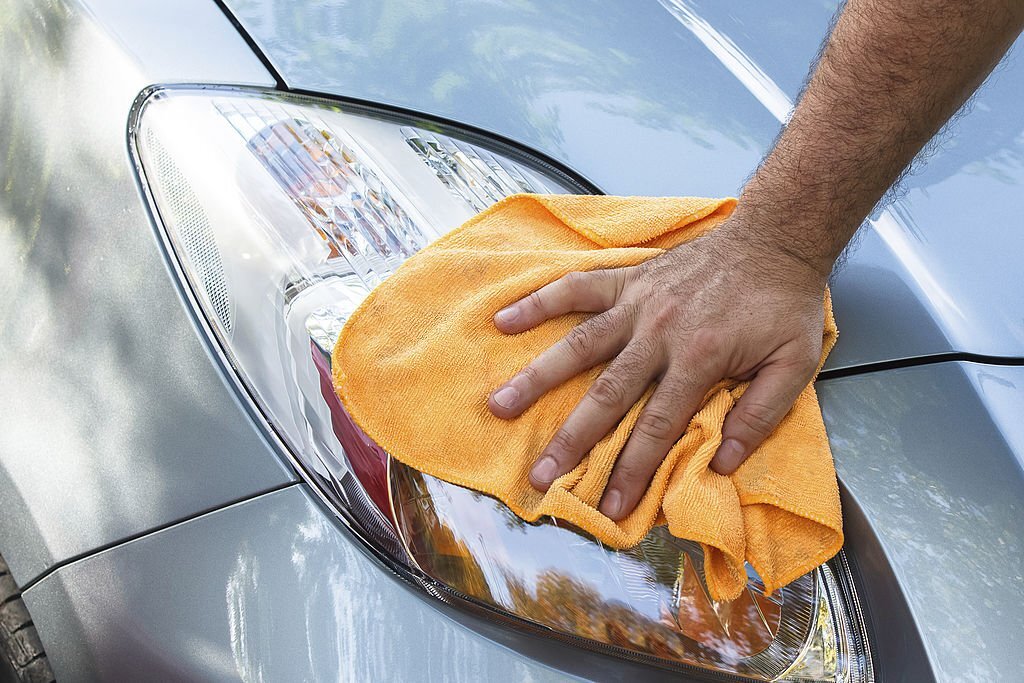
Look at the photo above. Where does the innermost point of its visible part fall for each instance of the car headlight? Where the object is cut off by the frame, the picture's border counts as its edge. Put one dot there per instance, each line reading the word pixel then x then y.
pixel 281 213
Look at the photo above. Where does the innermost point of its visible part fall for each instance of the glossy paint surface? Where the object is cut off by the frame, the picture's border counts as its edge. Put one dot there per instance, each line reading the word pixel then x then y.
pixel 114 418
pixel 270 590
pixel 245 589
pixel 933 455
pixel 683 97
pixel 116 421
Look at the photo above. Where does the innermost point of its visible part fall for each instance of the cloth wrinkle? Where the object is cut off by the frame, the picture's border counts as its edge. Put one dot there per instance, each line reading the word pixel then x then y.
pixel 415 363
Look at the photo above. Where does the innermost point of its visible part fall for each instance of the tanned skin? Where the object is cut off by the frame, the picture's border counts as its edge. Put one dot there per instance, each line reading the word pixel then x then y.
pixel 746 301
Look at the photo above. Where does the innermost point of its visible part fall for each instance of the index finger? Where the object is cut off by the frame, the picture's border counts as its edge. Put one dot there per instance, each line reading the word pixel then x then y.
pixel 580 292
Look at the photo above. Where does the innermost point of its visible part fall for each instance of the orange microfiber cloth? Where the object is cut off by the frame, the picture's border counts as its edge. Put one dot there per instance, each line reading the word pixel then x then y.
pixel 415 363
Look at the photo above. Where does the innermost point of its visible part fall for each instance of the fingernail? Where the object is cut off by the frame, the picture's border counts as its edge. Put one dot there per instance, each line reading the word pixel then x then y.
pixel 545 469
pixel 506 397
pixel 729 455
pixel 612 503
pixel 507 315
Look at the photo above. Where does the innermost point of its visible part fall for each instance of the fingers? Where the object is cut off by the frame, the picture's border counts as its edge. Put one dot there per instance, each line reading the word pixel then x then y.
pixel 593 292
pixel 588 344
pixel 759 411
pixel 598 412
pixel 661 423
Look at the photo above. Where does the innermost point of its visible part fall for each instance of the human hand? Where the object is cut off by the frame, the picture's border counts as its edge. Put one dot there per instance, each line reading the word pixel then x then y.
pixel 718 307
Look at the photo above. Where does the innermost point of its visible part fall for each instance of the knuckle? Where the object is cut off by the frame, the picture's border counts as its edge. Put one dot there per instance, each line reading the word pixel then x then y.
pixel 756 419
pixel 531 375
pixel 620 314
pixel 535 301
pixel 603 324
pixel 655 425
pixel 665 318
pixel 580 341
pixel 575 280
pixel 632 475
pixel 624 278
pixel 639 354
pixel 611 277
pixel 563 442
pixel 608 391
pixel 705 343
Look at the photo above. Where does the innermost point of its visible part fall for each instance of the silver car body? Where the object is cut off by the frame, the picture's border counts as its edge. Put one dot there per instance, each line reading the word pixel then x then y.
pixel 144 506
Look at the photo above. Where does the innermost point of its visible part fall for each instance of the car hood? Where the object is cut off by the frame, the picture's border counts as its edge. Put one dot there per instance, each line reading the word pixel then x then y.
pixel 680 97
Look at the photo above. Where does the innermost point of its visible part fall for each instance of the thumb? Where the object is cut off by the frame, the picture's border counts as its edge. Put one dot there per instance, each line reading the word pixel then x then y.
pixel 758 412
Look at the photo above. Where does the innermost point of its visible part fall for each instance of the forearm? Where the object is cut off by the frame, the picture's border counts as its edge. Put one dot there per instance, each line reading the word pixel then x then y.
pixel 889 77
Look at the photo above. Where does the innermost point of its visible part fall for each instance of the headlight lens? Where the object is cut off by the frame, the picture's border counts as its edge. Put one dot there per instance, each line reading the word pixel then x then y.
pixel 281 214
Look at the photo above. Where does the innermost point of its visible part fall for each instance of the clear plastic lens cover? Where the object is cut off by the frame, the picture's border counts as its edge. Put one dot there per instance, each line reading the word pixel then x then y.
pixel 281 214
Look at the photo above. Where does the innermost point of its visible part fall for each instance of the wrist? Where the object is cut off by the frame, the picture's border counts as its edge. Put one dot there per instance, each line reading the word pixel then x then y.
pixel 790 246
pixel 792 221
pixel 804 218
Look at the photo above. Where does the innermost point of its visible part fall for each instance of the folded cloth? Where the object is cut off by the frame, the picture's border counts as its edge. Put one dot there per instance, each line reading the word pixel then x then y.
pixel 417 360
